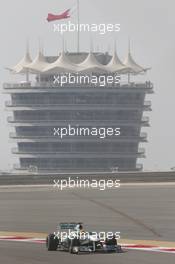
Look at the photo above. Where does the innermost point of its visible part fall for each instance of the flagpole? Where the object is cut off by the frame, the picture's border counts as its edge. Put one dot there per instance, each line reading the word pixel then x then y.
pixel 27 53
pixel 78 22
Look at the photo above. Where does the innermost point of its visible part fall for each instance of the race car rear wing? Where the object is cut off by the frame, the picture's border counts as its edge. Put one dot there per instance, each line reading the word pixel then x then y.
pixel 70 226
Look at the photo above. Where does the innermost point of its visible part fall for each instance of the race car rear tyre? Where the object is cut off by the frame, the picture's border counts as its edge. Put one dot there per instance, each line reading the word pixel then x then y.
pixel 52 242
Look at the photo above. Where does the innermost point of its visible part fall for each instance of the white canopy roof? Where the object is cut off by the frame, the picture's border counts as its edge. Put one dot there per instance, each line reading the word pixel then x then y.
pixel 39 63
pixel 115 64
pixel 20 67
pixel 132 66
pixel 62 64
pixel 90 64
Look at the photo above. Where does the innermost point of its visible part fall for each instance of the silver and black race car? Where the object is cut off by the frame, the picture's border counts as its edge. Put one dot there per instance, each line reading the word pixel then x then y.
pixel 72 238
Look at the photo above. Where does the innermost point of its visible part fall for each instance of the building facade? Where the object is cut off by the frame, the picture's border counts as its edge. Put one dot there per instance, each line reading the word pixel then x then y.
pixel 40 108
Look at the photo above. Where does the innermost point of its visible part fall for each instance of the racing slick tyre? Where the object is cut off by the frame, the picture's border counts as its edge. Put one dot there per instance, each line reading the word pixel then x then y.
pixel 52 242
pixel 74 246
pixel 119 249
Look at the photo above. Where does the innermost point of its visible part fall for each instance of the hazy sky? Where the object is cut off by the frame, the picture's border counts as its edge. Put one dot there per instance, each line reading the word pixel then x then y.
pixel 149 24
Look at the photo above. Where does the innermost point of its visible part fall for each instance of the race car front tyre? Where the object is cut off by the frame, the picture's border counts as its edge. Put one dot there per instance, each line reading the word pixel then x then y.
pixel 74 246
pixel 119 249
pixel 52 242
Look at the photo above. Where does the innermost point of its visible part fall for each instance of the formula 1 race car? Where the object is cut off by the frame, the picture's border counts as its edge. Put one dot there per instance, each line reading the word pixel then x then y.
pixel 71 237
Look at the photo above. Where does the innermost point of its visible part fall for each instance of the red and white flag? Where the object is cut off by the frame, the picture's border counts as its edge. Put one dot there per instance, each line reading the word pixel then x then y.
pixel 64 15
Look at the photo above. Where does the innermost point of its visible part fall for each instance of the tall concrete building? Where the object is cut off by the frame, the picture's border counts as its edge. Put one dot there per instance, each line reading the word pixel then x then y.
pixel 39 108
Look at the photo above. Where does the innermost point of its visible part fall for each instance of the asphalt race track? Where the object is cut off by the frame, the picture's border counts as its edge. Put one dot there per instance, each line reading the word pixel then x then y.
pixel 144 215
